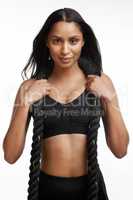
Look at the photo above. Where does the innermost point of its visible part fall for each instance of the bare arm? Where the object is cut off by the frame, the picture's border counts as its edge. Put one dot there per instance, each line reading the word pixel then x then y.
pixel 14 140
pixel 117 136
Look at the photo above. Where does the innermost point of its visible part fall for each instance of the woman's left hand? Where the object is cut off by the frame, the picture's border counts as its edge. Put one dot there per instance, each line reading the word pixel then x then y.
pixel 101 86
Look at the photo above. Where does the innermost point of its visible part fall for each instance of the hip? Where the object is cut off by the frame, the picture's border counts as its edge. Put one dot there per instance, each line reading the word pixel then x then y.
pixel 61 187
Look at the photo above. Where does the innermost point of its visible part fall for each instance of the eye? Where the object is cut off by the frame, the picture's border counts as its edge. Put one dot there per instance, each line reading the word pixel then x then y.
pixel 56 41
pixel 74 41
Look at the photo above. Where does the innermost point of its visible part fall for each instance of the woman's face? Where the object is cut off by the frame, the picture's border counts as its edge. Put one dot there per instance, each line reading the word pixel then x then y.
pixel 65 42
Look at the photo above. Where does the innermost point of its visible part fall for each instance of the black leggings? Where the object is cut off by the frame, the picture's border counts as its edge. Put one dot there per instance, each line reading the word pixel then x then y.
pixel 62 188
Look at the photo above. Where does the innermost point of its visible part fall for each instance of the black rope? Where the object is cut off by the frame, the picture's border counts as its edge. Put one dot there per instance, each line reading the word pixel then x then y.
pixel 94 124
pixel 96 185
pixel 38 128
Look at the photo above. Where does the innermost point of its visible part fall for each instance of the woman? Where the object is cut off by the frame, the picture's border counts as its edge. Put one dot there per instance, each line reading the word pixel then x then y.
pixel 66 67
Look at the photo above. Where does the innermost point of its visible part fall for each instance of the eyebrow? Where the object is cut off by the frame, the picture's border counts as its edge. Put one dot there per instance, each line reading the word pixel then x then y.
pixel 57 36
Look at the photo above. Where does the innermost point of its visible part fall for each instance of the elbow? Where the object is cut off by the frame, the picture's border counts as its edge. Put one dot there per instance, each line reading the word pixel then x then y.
pixel 120 154
pixel 8 155
pixel 9 160
pixel 120 147
pixel 11 157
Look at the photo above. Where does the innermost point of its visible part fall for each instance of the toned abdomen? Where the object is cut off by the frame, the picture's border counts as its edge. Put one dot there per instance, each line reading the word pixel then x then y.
pixel 65 155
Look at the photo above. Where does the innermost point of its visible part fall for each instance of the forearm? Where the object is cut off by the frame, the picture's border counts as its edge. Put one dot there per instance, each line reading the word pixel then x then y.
pixel 116 132
pixel 15 138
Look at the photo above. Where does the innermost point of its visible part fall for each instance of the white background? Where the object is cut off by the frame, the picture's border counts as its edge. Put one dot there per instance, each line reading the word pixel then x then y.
pixel 111 21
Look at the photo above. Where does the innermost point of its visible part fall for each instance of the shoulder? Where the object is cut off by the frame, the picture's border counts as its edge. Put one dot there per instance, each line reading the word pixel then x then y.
pixel 106 77
pixel 27 83
pixel 25 86
pixel 107 80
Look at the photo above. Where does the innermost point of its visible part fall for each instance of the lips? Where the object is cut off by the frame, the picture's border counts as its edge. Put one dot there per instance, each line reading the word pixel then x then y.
pixel 65 60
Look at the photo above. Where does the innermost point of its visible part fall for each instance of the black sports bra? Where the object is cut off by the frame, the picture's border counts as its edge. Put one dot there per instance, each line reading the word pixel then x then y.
pixel 72 117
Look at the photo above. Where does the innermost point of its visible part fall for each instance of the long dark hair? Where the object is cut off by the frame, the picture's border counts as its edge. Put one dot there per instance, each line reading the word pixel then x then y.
pixel 90 62
pixel 39 59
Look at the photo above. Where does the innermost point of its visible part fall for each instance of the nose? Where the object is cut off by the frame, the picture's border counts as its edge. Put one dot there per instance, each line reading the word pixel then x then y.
pixel 65 49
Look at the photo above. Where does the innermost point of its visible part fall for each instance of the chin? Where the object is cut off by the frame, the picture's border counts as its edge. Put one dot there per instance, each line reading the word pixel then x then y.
pixel 63 65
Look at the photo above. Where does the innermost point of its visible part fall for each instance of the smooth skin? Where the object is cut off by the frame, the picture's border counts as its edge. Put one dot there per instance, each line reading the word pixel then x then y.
pixel 66 83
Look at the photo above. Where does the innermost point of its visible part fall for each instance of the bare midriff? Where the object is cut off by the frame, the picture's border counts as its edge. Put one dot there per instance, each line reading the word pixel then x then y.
pixel 65 155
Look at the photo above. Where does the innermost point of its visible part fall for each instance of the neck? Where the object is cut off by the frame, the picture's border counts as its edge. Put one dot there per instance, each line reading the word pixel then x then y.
pixel 67 74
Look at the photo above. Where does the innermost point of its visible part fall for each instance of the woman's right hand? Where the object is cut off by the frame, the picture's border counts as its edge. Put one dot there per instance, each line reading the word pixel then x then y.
pixel 36 91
